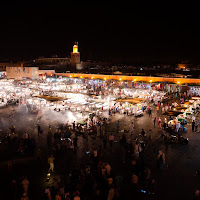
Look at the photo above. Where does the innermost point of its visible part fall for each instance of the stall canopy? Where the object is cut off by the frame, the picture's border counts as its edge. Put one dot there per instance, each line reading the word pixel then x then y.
pixel 50 98
pixel 131 100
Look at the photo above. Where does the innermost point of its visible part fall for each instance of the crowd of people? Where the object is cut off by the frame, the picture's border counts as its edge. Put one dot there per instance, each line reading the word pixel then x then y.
pixel 96 179
pixel 19 146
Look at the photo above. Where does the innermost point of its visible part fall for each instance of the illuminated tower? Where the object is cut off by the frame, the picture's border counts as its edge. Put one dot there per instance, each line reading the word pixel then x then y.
pixel 75 55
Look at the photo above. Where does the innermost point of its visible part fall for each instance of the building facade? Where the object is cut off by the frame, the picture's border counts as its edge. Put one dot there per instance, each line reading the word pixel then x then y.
pixel 22 72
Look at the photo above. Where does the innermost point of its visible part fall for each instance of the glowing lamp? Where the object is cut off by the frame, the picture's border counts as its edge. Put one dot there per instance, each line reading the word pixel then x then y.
pixel 120 79
pixel 92 77
pixel 104 78
pixel 150 81
pixel 178 82
pixel 81 77
pixel 70 76
pixel 134 80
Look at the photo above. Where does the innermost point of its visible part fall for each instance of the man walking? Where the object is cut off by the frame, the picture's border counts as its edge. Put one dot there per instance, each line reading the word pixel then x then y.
pixel 193 125
pixel 150 115
pixel 117 126
pixel 131 128
pixel 51 162
pixel 73 125
pixel 154 121
pixel 196 125
pixel 39 128
pixel 25 184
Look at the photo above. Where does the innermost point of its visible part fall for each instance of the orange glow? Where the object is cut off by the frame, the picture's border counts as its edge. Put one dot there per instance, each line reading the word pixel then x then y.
pixel 150 81
pixel 81 77
pixel 178 82
pixel 70 76
pixel 104 78
pixel 182 66
pixel 92 77
pixel 133 78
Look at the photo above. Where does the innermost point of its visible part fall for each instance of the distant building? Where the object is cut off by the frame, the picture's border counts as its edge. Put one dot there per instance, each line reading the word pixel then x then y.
pixel 19 72
pixel 75 56
pixel 55 61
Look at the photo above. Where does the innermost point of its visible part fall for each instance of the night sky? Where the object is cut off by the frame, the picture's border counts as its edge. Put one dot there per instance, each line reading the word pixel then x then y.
pixel 121 32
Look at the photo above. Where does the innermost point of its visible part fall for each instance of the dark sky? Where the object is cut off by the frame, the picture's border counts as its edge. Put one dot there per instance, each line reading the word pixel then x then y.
pixel 121 32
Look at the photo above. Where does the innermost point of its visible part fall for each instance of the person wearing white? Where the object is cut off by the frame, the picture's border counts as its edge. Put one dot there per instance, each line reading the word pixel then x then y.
pixel 108 168
pixel 25 184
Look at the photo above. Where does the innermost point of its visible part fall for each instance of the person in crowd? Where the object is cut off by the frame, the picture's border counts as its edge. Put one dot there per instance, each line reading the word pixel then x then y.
pixel 104 141
pixel 159 122
pixel 154 122
pixel 143 133
pixel 51 163
pixel 108 168
pixel 111 139
pixel 77 196
pixel 48 193
pixel 150 112
pixel 193 125
pixel 196 125
pixel 13 190
pixel 131 127
pixel 50 131
pixel 117 126
pixel 160 159
pixel 197 195
pixel 24 197
pixel 58 197
pixel 67 196
pixel 74 125
pixel 25 184
pixel 39 129
pixel 157 108
pixel 111 193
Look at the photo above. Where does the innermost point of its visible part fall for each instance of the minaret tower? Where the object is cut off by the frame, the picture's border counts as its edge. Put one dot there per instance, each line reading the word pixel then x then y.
pixel 75 55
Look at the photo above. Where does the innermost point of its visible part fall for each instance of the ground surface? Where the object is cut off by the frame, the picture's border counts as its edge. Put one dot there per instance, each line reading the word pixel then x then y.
pixel 177 182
